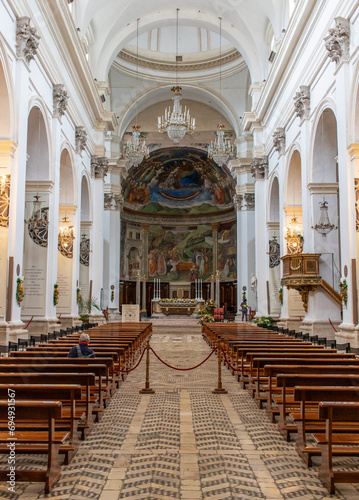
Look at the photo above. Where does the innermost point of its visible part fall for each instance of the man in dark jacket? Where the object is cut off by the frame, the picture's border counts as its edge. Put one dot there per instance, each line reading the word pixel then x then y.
pixel 82 350
pixel 244 309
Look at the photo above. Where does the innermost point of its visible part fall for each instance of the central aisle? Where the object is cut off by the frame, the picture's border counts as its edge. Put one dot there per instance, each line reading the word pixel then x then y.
pixel 184 442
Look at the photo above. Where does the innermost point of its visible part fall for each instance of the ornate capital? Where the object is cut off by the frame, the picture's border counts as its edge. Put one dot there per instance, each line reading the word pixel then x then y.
pixel 259 168
pixel 60 98
pixel 99 167
pixel 249 199
pixel 80 139
pixel 279 140
pixel 337 42
pixel 238 202
pixel 27 40
pixel 113 202
pixel 302 102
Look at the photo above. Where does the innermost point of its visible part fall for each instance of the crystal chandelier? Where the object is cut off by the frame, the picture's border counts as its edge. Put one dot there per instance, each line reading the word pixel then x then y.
pixel 66 238
pixel 294 237
pixel 135 151
pixel 176 123
pixel 220 150
pixel 324 227
pixel 38 223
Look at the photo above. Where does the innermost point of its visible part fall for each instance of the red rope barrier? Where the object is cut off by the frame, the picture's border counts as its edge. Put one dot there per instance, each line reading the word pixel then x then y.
pixel 183 369
pixel 131 369
pixel 32 317
pixel 229 364
pixel 332 325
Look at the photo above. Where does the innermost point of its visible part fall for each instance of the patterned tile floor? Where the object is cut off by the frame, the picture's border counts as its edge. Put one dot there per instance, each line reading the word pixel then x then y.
pixel 183 442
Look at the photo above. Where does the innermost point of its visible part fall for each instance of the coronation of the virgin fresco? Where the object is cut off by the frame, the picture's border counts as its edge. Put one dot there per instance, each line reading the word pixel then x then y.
pixel 179 182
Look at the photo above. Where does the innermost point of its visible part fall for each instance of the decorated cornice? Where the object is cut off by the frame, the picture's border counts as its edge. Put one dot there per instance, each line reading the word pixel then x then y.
pixel 80 138
pixel 338 41
pixel 302 102
pixel 173 220
pixel 279 140
pixel 60 98
pixel 205 64
pixel 323 187
pixel 27 39
pixel 99 167
pixel 259 168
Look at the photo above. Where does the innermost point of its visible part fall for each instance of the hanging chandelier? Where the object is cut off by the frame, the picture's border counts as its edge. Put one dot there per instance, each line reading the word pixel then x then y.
pixel 66 238
pixel 135 151
pixel 324 227
pixel 221 150
pixel 177 123
pixel 38 223
pixel 294 237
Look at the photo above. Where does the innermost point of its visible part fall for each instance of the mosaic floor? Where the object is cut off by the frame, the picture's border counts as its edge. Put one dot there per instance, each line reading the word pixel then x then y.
pixel 183 442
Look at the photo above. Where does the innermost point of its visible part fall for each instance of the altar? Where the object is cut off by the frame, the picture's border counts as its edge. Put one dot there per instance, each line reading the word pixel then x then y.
pixel 170 307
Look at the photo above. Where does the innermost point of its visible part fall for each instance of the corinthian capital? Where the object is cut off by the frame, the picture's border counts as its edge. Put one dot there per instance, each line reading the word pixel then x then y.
pixel 99 167
pixel 80 139
pixel 238 202
pixel 60 98
pixel 279 140
pixel 302 102
pixel 27 40
pixel 337 42
pixel 259 168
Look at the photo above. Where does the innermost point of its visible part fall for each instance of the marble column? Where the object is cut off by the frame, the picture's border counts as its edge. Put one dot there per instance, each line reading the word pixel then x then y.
pixel 144 281
pixel 237 201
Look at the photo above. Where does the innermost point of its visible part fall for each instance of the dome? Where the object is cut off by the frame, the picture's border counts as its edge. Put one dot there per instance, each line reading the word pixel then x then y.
pixel 178 180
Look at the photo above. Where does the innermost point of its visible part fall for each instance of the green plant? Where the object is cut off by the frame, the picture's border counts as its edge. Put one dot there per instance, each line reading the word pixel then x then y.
pixel 85 308
pixel 266 320
pixel 255 321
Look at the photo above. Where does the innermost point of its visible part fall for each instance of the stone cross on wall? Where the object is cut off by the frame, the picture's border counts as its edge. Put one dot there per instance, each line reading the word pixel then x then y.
pixel 27 40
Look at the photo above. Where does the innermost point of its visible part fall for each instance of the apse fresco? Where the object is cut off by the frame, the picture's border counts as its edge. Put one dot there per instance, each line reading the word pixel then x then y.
pixel 227 252
pixel 180 255
pixel 178 181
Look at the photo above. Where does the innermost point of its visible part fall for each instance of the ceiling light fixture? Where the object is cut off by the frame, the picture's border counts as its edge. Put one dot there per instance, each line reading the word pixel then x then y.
pixel 221 150
pixel 135 151
pixel 176 123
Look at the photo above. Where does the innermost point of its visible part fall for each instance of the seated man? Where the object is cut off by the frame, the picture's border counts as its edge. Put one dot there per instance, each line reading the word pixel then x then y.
pixel 82 350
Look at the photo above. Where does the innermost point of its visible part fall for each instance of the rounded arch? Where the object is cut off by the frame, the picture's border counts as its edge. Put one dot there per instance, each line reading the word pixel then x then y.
pixel 354 110
pixel 67 179
pixel 38 153
pixel 86 208
pixel 273 209
pixel 293 182
pixel 7 100
pixel 162 94
pixel 324 146
pixel 240 37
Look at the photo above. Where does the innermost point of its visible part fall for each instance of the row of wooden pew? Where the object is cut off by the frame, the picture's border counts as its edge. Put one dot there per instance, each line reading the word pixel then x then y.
pixel 57 400
pixel 307 389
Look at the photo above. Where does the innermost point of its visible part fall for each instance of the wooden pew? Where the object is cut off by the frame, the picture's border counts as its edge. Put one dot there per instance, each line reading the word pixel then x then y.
pixel 37 411
pixel 337 444
pixel 308 394
pixel 66 393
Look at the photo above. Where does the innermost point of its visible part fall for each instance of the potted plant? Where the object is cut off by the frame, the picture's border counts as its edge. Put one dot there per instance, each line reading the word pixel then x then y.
pixel 85 308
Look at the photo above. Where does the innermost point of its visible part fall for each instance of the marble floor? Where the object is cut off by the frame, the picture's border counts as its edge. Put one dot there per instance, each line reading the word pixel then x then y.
pixel 183 442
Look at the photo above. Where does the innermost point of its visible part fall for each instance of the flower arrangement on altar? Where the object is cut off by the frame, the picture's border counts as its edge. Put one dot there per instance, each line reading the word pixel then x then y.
pixel 178 302
pixel 343 285
pixel 56 294
pixel 19 291
pixel 205 315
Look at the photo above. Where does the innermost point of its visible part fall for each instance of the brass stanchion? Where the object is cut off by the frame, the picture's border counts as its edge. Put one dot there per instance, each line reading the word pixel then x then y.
pixel 147 389
pixel 219 389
